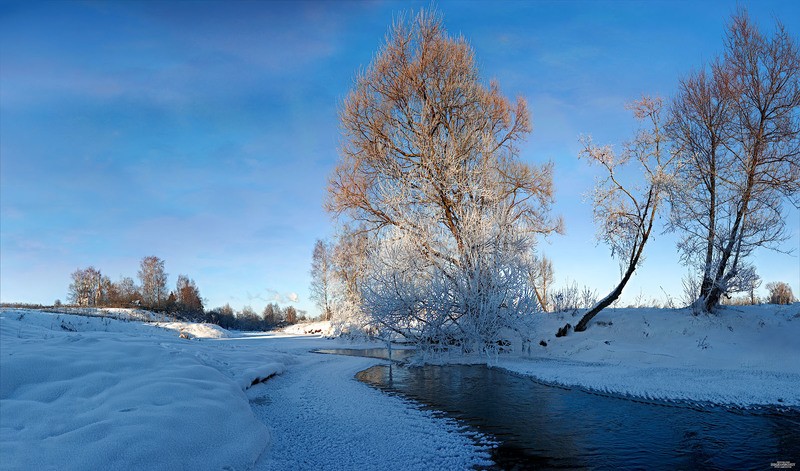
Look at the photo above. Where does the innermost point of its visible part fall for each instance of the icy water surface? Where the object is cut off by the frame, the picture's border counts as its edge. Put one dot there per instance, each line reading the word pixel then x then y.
pixel 545 427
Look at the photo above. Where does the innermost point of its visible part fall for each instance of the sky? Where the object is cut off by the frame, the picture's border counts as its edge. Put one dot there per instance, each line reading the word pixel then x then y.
pixel 204 132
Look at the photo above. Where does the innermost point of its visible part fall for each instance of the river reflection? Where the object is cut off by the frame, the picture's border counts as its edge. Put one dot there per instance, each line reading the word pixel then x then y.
pixel 544 427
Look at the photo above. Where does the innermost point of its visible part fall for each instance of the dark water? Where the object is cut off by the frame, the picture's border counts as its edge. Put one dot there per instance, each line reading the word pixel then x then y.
pixel 382 353
pixel 545 427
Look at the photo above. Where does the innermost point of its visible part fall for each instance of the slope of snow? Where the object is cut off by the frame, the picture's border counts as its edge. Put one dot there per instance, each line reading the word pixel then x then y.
pixel 742 356
pixel 97 393
pixel 195 331
pixel 124 396
pixel 310 328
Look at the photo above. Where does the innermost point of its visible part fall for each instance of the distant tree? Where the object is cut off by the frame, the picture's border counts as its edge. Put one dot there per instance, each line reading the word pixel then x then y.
pixel 86 287
pixel 153 282
pixel 321 278
pixel 780 293
pixel 290 314
pixel 127 292
pixel 188 296
pixel 248 319
pixel 624 215
pixel 541 275
pixel 171 304
pixel 271 314
pixel 108 292
pixel 736 126
pixel 223 317
pixel 57 303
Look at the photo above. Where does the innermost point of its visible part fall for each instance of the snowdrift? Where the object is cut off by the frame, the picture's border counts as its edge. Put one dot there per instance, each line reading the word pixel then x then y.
pixel 97 393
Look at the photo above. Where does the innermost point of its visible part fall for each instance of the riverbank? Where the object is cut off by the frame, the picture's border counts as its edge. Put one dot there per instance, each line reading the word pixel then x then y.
pixel 82 392
pixel 742 356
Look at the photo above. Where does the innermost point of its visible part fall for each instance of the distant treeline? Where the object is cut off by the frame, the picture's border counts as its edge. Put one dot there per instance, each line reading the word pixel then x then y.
pixel 90 288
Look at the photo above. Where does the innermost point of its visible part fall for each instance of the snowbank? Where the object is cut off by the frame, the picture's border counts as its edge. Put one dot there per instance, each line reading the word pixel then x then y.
pixel 320 327
pixel 194 330
pixel 92 393
pixel 741 356
pixel 97 393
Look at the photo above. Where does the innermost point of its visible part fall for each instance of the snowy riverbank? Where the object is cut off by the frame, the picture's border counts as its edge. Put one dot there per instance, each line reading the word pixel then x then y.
pixel 92 392
pixel 99 393
pixel 741 356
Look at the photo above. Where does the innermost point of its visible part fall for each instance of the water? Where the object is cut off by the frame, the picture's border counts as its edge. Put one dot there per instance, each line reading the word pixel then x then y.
pixel 545 427
pixel 382 353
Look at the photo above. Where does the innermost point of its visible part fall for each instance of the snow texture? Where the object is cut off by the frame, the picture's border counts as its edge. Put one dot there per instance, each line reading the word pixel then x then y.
pixel 99 393
pixel 82 392
pixel 741 356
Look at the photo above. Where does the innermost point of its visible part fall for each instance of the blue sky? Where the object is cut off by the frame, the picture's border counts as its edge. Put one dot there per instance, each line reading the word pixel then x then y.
pixel 204 132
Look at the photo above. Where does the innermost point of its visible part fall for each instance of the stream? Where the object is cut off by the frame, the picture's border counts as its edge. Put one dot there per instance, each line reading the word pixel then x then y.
pixel 538 426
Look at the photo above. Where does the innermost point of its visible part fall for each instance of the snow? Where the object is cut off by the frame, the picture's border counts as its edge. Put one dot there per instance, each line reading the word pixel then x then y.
pixel 742 356
pixel 310 328
pixel 91 393
pixel 95 392
pixel 99 393
pixel 194 330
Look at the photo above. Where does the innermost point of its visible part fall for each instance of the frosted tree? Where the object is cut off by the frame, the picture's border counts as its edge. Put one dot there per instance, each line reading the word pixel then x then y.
pixel 153 282
pixel 430 157
pixel 780 293
pixel 541 278
pixel 321 278
pixel 348 269
pixel 86 287
pixel 626 212
pixel 736 127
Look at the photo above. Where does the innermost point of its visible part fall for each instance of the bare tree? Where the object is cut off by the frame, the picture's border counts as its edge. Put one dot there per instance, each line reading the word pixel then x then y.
pixel 624 212
pixel 290 315
pixel 188 296
pixel 429 155
pixel 271 314
pixel 736 129
pixel 127 291
pixel 542 277
pixel 86 287
pixel 780 293
pixel 153 282
pixel 321 278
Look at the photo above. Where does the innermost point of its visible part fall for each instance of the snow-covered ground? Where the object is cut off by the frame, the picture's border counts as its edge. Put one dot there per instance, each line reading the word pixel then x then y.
pixel 99 393
pixel 95 392
pixel 741 356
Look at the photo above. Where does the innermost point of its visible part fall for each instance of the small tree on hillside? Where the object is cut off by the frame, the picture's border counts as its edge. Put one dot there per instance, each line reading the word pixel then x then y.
pixel 153 282
pixel 86 287
pixel 188 296
pixel 290 314
pixel 780 293
pixel 624 212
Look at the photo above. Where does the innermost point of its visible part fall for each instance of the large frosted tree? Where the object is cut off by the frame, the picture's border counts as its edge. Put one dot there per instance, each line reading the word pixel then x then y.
pixel 430 169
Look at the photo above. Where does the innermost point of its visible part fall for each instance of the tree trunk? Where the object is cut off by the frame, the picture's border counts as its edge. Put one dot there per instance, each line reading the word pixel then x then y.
pixel 605 302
